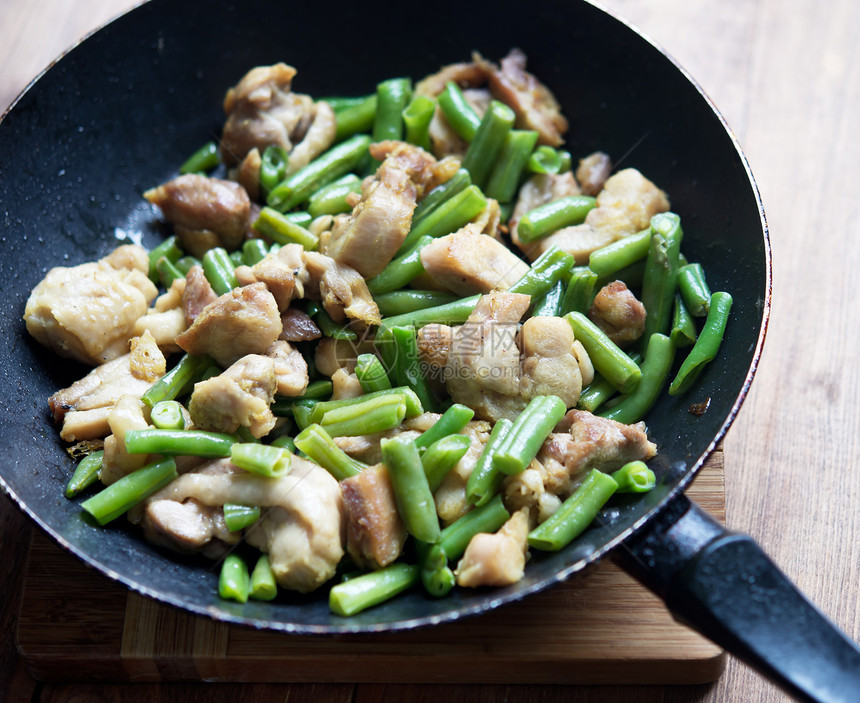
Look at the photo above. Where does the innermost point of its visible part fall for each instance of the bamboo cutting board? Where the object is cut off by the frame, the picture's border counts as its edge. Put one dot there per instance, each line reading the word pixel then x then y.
pixel 598 628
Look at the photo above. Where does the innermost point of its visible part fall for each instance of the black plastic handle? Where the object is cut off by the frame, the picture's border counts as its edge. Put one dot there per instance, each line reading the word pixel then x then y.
pixel 723 585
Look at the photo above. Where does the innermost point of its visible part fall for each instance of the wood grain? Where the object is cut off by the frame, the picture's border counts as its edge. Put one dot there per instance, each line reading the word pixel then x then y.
pixel 784 74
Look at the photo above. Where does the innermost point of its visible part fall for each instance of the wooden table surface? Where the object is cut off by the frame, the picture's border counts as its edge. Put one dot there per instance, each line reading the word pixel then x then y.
pixel 786 75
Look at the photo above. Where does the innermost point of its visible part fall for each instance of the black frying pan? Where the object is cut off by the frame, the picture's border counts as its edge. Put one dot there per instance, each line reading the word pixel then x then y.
pixel 119 112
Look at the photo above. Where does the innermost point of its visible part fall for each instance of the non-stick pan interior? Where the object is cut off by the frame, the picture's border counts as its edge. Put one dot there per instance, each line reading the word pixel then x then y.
pixel 119 113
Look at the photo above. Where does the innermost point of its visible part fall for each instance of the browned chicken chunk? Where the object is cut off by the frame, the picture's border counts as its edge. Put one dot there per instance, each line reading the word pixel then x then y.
pixel 197 295
pixel 593 171
pixel 244 321
pixel 619 313
pixel 496 559
pixel 298 326
pixel 343 290
pixel 205 212
pixel 291 369
pixel 375 533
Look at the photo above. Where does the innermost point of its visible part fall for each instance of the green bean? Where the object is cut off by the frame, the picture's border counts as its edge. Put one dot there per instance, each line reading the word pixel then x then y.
pixel 167 415
pixel 169 386
pixel 184 264
pixel 273 168
pixel 86 473
pixel 263 584
pixel 281 229
pixel 485 147
pixel 219 270
pixel 412 493
pixel 320 389
pixel 439 581
pixel 400 302
pixel 565 161
pixel 707 345
pixel 302 413
pixel 400 270
pixel 190 442
pixel 253 251
pixel 505 177
pixel 169 249
pixel 338 103
pixel 234 582
pixel 320 448
pixel 655 369
pixel 623 252
pixel 486 479
pixel 371 374
pixel 334 163
pixel 553 216
pixel 406 395
pixel 331 199
pixel 376 415
pixel 447 217
pixel 454 539
pixel 416 119
pixel 167 272
pixel 362 592
pixel 579 293
pixel 547 270
pixel 454 313
pixel 285 442
pixel 606 357
pixel 453 420
pixel 115 500
pixel 442 192
pixel 458 113
pixel 204 159
pixel 683 331
pixel 442 456
pixel 661 273
pixel 531 428
pixel 599 390
pixel 262 459
pixel 550 304
pixel 327 326
pixel 355 118
pixel 392 96
pixel 575 514
pixel 631 275
pixel 407 366
pixel 694 289
pixel 236 258
pixel 300 218
pixel 545 160
pixel 238 517
pixel 634 477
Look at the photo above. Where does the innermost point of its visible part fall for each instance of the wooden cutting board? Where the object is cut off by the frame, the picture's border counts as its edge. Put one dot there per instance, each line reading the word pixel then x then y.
pixel 599 628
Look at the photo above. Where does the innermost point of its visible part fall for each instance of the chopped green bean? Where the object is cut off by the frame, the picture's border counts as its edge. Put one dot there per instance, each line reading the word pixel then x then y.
pixel 447 217
pixel 167 271
pixel 392 96
pixel 407 366
pixel 412 493
pixel 273 168
pixel 486 479
pixel 707 345
pixel 406 395
pixel 281 229
pixel 184 264
pixel 661 273
pixel 375 415
pixel 550 304
pixel 441 456
pixel 458 113
pixel 332 199
pixel 167 415
pixel 400 302
pixel 506 174
pixel 416 120
pixel 683 331
pixel 263 584
pixel 371 374
pixel 553 216
pixel 442 192
pixel 169 249
pixel 320 448
pixel 400 270
pixel 262 459
pixel 545 160
pixel 575 514
pixel 453 420
pixel 485 147
pixel 238 517
pixel 115 500
pixel 234 582
pixel 621 253
pixel 599 390
pixel 169 386
pixel 86 473
pixel 454 313
pixel 634 477
pixel 579 293
pixel 606 357
pixel 190 442
pixel 694 289
pixel 547 270
pixel 352 119
pixel 254 251
pixel 219 270
pixel 365 591
pixel 533 425
pixel 204 159
pixel 454 539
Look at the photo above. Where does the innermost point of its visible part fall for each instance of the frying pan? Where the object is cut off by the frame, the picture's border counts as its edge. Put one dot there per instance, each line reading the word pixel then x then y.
pixel 119 112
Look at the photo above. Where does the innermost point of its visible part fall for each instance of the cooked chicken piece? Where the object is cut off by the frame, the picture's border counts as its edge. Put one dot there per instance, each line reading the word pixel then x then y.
pixel 625 206
pixel 303 517
pixel 593 171
pixel 298 326
pixel 248 174
pixel 450 496
pixel 291 369
pixel 129 413
pixel 434 345
pixel 467 262
pixel 550 364
pixel 163 327
pixel 489 220
pixel 597 442
pixel 262 110
pixel 188 527
pixel 526 490
pixel 366 449
pixel 619 313
pixel 344 292
pixel 333 354
pixel 483 369
pixel 319 137
pixel 466 75
pixel 539 190
pixel 205 212
pixel 375 534
pixel 81 425
pixel 244 321
pixel 345 385
pixel 284 272
pixel 444 141
pixel 198 293
pixel 496 559
pixel 87 312
pixel 535 105
pixel 369 237
pixel 239 397
pixel 146 361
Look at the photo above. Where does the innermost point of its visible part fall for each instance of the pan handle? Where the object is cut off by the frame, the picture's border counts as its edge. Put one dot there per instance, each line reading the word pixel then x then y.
pixel 723 585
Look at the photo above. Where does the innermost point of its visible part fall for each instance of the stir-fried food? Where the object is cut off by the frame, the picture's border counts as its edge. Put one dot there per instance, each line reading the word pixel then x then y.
pixel 403 334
